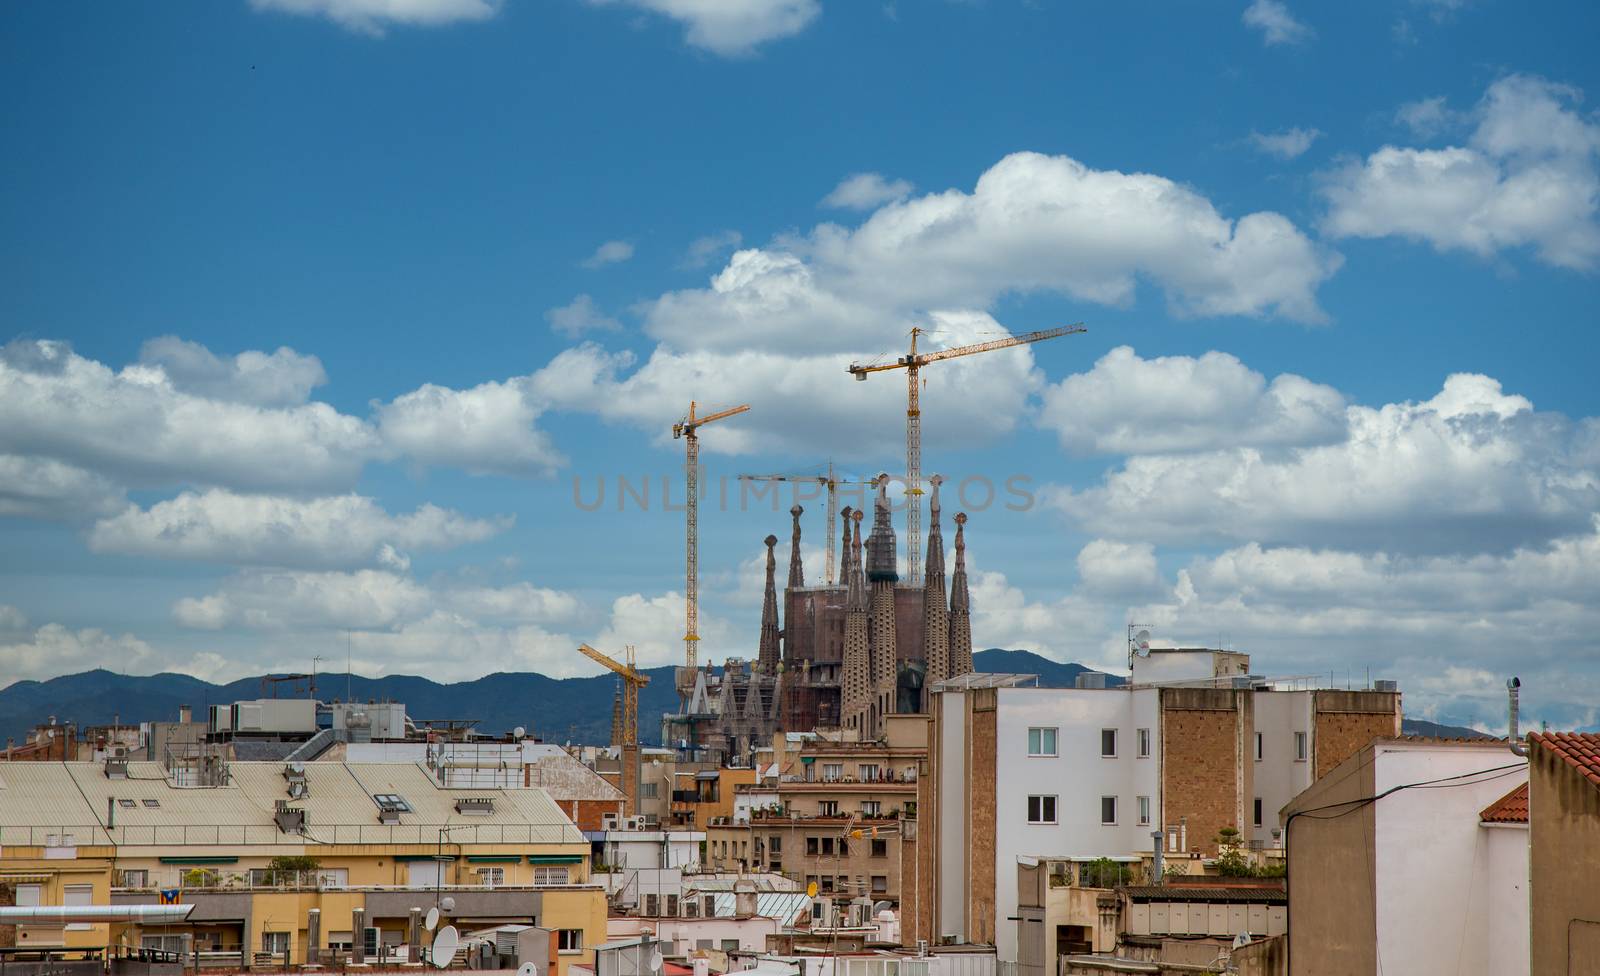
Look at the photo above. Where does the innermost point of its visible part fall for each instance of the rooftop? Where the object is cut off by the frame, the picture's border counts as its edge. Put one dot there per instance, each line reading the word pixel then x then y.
pixel 1580 750
pixel 1509 809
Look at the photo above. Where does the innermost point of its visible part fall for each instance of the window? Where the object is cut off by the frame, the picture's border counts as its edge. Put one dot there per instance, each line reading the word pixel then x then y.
pixel 570 940
pixel 871 808
pixel 832 772
pixel 827 808
pixel 1108 743
pixel 1041 742
pixel 647 791
pixel 491 877
pixel 1300 747
pixel 1144 743
pixel 139 878
pixel 827 846
pixel 333 877
pixel 74 896
pixel 1258 746
pixel 652 905
pixel 880 884
pixel 1144 811
pixel 551 876
pixel 391 803
pixel 730 945
pixel 1108 809
pixel 126 803
pixel 775 844
pixel 1041 809
pixel 1258 812
pixel 880 847
pixel 162 943
pixel 811 846
pixel 28 895
pixel 672 906
pixel 153 804
pixel 870 772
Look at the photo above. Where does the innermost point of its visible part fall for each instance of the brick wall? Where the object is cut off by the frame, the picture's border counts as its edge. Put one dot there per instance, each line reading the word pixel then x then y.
pixel 982 733
pixel 587 814
pixel 1347 720
pixel 1205 775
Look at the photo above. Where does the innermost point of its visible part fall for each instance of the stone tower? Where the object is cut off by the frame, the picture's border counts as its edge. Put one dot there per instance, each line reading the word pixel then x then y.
pixel 855 692
pixel 935 612
pixel 960 606
pixel 797 575
pixel 882 574
pixel 768 654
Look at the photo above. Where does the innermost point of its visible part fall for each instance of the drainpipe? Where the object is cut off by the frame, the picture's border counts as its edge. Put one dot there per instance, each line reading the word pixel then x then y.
pixel 1513 690
pixel 314 936
pixel 1159 836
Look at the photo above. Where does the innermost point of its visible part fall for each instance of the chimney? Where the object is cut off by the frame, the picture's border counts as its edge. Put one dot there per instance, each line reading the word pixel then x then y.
pixel 358 937
pixel 1513 692
pixel 314 936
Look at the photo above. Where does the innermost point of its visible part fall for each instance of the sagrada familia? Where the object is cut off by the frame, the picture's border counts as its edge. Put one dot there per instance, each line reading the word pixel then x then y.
pixel 847 653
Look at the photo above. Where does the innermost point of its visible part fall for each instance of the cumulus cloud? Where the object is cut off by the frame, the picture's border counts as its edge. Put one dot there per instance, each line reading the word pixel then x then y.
pixel 611 252
pixel 487 429
pixel 866 191
pixel 138 426
pixel 1472 469
pixel 1426 117
pixel 1114 568
pixel 54 650
pixel 1276 24
pixel 1288 144
pixel 579 316
pixel 340 530
pixel 277 379
pixel 374 16
pixel 41 488
pixel 1177 404
pixel 1528 177
pixel 731 28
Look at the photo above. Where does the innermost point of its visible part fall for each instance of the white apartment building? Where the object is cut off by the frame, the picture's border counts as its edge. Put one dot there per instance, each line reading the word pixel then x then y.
pixel 1192 744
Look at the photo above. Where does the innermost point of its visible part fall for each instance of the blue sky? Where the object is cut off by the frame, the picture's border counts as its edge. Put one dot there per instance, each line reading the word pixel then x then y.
pixel 315 309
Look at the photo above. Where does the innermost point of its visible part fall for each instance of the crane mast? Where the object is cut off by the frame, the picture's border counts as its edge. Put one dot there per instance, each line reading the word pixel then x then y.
pixel 688 430
pixel 832 485
pixel 912 363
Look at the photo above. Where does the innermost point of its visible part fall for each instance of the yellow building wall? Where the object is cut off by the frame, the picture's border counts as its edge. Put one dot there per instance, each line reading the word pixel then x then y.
pixel 28 865
pixel 583 908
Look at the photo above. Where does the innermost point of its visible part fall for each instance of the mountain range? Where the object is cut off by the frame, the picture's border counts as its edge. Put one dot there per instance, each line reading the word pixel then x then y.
pixel 555 709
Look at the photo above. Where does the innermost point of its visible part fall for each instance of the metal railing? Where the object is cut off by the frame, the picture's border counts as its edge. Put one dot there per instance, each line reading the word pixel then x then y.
pixel 238 835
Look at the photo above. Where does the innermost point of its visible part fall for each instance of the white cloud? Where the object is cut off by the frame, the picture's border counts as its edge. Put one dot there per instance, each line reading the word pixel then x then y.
pixel 1426 117
pixel 1176 404
pixel 137 426
pixel 53 650
pixel 11 619
pixel 278 379
pixel 1126 569
pixel 1473 469
pixel 579 316
pixel 488 429
pixel 1288 144
pixel 702 250
pixel 866 191
pixel 373 16
pixel 1528 178
pixel 611 252
pixel 731 28
pixel 32 487
pixel 341 530
pixel 1276 24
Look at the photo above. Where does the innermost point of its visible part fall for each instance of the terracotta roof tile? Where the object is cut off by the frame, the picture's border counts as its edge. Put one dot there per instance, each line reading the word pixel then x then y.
pixel 1580 750
pixel 1509 809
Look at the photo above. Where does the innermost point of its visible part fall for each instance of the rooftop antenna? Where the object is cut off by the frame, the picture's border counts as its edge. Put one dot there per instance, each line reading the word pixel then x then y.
pixel 347 696
pixel 315 660
pixel 1138 642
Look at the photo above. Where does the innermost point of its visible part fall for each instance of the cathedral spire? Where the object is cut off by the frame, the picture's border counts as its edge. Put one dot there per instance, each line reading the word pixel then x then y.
pixel 855 685
pixel 935 613
pixel 960 606
pixel 767 659
pixel 880 546
pixel 797 576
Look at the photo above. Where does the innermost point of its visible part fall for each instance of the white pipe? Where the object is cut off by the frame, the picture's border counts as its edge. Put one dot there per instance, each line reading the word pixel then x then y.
pixel 62 914
pixel 1513 689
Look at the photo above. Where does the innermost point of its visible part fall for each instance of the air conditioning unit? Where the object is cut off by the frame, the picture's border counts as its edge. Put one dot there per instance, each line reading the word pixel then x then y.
pixel 608 821
pixel 634 823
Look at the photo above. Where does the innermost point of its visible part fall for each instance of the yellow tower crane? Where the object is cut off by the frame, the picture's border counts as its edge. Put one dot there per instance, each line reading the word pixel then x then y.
pixel 632 680
pixel 688 428
pixel 912 363
pixel 832 484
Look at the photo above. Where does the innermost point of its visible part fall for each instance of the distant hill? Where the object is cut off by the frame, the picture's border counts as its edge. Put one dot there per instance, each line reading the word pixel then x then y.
pixel 555 709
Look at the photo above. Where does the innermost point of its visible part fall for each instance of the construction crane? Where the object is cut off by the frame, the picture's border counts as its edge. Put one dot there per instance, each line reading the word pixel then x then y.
pixel 688 428
pixel 632 680
pixel 912 363
pixel 832 484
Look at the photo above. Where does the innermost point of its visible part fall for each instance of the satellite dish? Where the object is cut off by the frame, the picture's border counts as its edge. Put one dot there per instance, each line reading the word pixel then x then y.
pixel 655 961
pixel 811 890
pixel 518 733
pixel 445 945
pixel 527 969
pixel 448 904
pixel 431 922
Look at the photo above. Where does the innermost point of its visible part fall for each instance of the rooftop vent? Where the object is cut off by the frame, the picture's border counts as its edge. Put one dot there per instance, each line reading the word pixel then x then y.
pixel 291 820
pixel 1385 684
pixel 1090 679
pixel 475 806
pixel 295 774
pixel 117 767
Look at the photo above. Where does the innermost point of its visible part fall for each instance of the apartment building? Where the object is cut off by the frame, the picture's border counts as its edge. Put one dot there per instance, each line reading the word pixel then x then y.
pixel 1076 774
pixel 1563 810
pixel 1386 877
pixel 267 843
